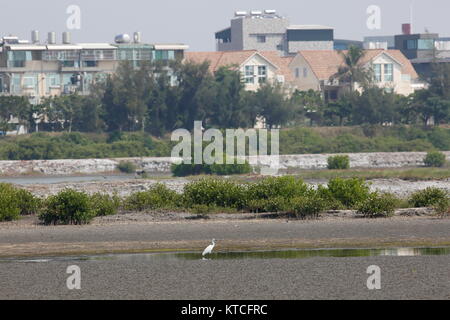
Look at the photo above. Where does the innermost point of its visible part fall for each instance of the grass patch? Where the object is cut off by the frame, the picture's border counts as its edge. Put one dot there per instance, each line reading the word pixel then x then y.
pixel 411 174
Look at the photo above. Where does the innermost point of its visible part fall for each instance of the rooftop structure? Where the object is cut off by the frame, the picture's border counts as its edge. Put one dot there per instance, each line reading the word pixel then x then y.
pixel 268 31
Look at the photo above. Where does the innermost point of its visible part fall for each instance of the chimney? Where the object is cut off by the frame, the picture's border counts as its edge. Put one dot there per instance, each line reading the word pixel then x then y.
pixel 406 28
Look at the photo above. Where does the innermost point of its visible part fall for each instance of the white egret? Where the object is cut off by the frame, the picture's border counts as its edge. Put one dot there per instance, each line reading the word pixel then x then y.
pixel 210 248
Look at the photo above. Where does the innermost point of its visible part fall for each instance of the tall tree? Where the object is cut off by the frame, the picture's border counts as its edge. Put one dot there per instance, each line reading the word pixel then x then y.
pixel 353 71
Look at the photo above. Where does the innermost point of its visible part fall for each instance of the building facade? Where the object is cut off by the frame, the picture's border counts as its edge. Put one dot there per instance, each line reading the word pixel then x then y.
pixel 256 67
pixel 268 31
pixel 43 70
pixel 316 70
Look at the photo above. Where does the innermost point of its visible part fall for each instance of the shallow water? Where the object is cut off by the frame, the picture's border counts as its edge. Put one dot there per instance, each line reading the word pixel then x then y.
pixel 276 254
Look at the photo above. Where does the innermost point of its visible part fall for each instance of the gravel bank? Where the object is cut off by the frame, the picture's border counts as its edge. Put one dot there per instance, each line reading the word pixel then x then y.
pixel 401 188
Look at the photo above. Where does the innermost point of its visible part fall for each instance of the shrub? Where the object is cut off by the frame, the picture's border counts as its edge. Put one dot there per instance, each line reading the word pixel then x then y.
pixel 378 205
pixel 442 207
pixel 428 197
pixel 434 159
pixel 126 167
pixel 348 191
pixel 276 204
pixel 9 203
pixel 104 205
pixel 286 187
pixel 28 203
pixel 183 170
pixel 308 206
pixel 157 197
pixel 213 192
pixel 339 162
pixel 68 207
pixel 330 202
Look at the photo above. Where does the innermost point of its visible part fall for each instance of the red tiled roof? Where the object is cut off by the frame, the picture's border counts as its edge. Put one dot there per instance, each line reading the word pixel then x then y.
pixel 325 63
pixel 228 58
pixel 220 58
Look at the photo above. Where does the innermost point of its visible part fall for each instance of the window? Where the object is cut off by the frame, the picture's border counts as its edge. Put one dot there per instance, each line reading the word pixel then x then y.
pixel 29 82
pixel 411 44
pixel 280 47
pixel 305 72
pixel 249 74
pixel 425 44
pixel 389 72
pixel 261 39
pixel 297 72
pixel 52 81
pixel 15 84
pixel 89 64
pixel 68 64
pixel 262 74
pixel 377 72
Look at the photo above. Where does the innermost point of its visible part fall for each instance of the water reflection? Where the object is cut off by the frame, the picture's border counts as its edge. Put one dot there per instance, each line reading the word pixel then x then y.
pixel 280 254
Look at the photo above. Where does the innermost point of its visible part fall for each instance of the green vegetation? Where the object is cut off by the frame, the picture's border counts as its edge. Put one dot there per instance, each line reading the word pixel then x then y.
pixel 15 202
pixel 309 206
pixel 224 169
pixel 378 205
pixel 126 167
pixel 157 197
pixel 428 197
pixel 339 163
pixel 411 174
pixel 147 101
pixel 67 207
pixel 285 194
pixel 348 192
pixel 442 207
pixel 105 205
pixel 9 203
pixel 47 146
pixel 212 192
pixel 77 145
pixel 435 159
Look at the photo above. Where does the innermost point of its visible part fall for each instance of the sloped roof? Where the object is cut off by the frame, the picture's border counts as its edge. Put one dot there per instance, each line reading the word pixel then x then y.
pixel 228 58
pixel 325 63
pixel 219 59
pixel 282 62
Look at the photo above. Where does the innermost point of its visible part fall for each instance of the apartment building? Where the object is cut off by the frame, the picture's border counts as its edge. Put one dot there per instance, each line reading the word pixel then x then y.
pixel 38 70
pixel 268 31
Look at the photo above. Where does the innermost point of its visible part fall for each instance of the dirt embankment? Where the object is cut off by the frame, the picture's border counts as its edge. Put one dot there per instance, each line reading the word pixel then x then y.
pixel 123 188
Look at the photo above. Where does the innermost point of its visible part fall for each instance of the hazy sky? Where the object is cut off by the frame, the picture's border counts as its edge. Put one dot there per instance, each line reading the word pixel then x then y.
pixel 194 22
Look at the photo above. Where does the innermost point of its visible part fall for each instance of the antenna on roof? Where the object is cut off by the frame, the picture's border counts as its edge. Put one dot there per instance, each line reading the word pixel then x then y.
pixel 411 16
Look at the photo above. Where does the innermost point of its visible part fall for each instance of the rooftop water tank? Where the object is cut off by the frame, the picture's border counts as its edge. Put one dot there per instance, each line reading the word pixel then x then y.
pixel 35 36
pixel 51 38
pixel 122 38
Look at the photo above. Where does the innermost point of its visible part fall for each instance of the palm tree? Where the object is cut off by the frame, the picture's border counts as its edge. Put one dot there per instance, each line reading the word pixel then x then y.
pixel 352 71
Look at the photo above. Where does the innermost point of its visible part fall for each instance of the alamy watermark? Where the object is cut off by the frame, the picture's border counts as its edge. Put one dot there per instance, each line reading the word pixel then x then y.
pixel 74 280
pixel 374 280
pixel 374 19
pixel 230 149
pixel 73 22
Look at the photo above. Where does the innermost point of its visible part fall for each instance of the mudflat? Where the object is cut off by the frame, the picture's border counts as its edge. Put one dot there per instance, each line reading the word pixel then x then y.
pixel 172 232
